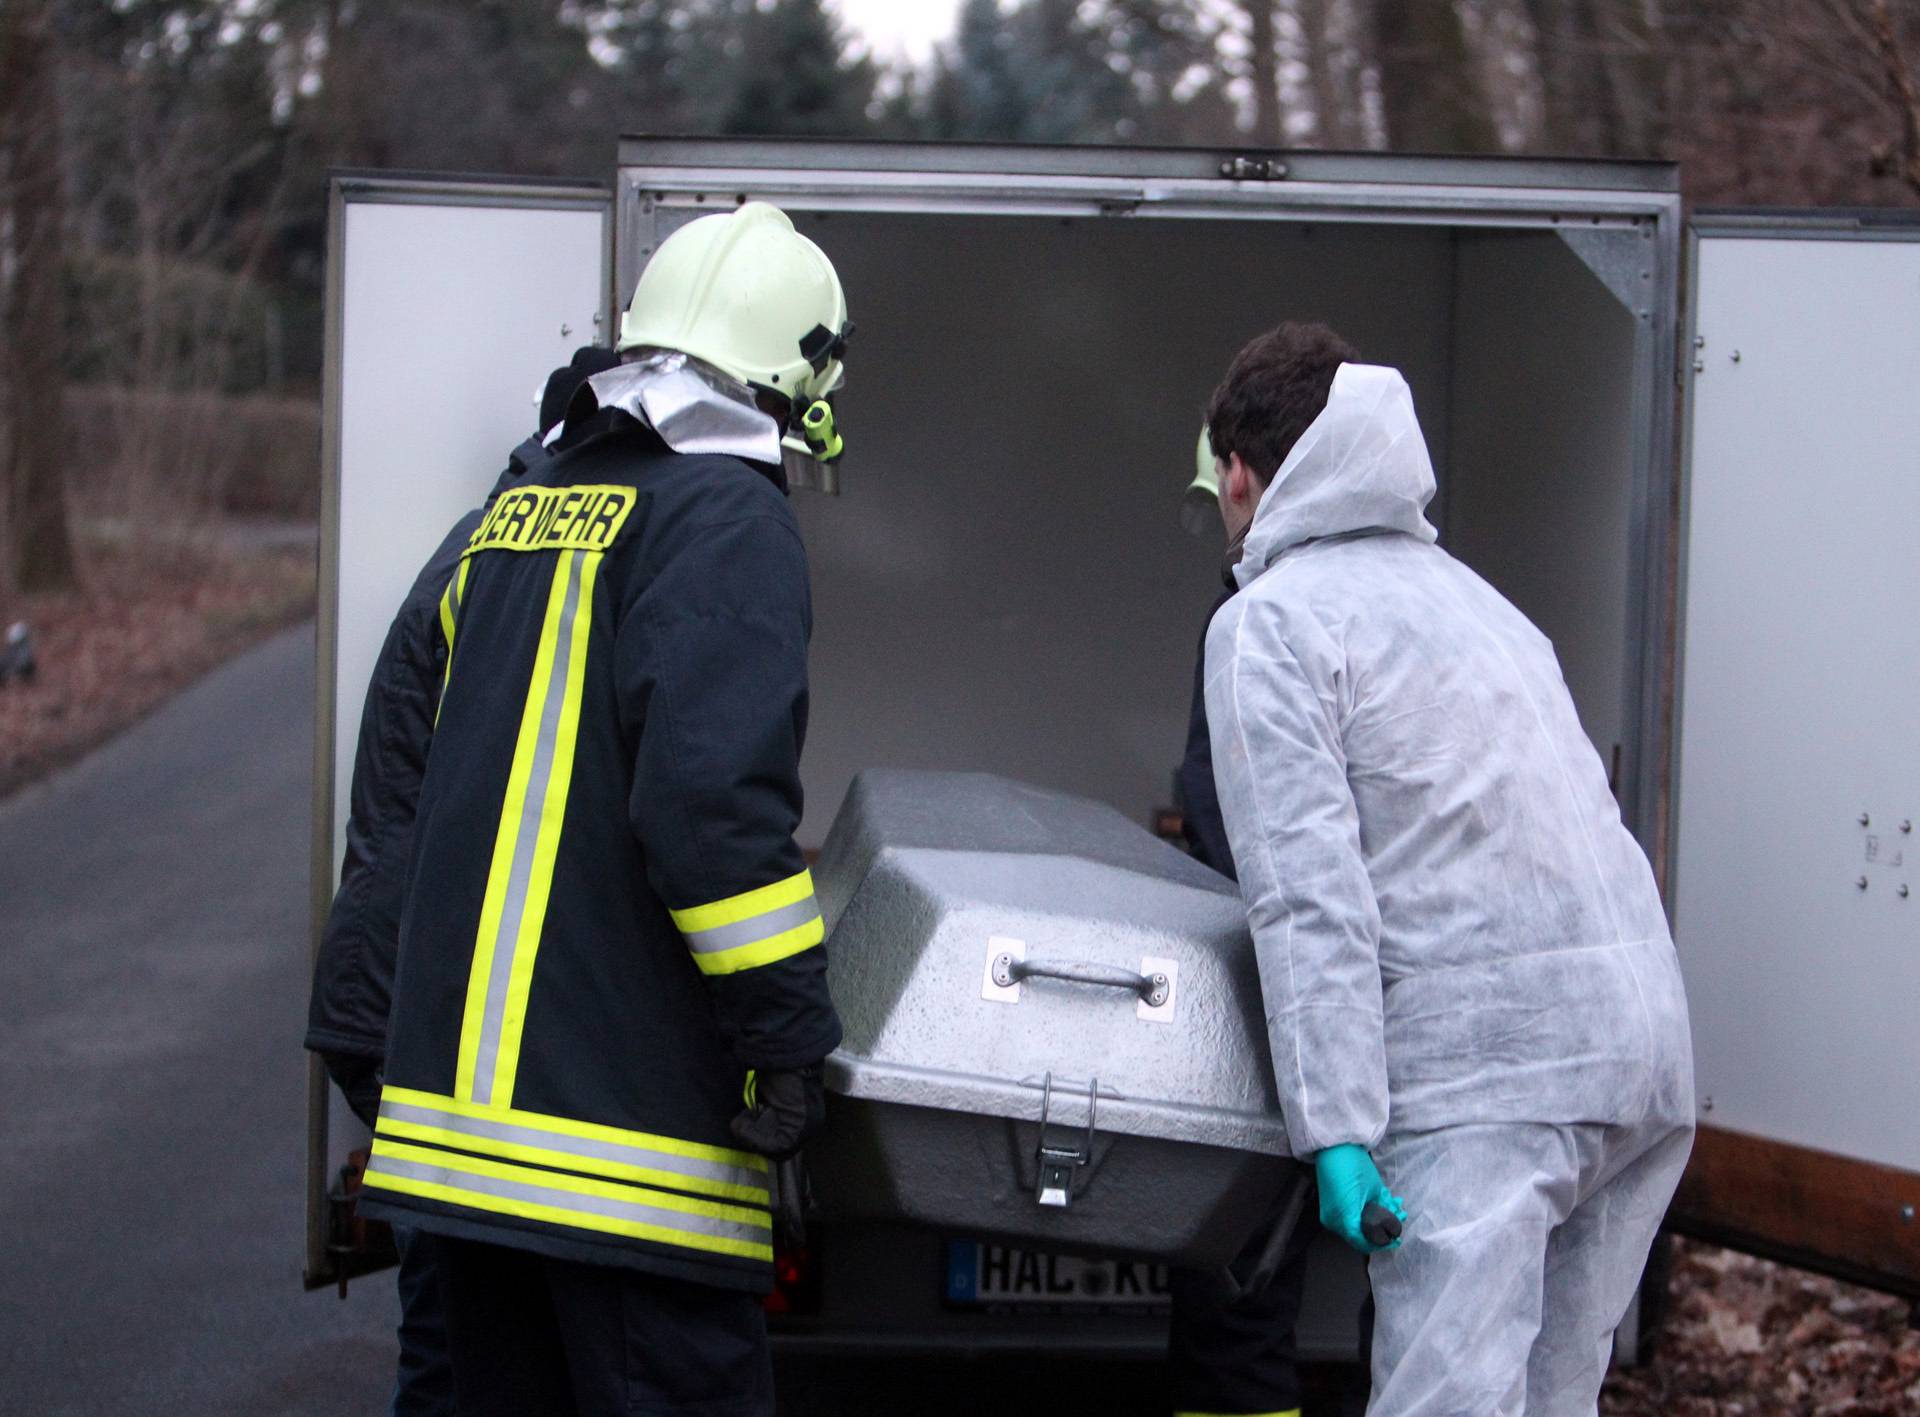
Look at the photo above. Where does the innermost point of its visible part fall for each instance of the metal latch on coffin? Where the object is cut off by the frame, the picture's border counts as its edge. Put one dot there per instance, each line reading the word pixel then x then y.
pixel 1057 1164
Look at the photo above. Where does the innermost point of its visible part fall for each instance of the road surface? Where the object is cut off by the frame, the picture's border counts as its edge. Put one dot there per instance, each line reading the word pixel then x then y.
pixel 153 982
pixel 152 966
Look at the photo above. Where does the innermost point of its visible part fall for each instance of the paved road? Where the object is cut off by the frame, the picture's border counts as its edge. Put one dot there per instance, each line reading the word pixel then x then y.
pixel 152 997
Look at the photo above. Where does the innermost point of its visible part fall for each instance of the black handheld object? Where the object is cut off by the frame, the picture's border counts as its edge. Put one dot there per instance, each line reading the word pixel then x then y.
pixel 1379 1226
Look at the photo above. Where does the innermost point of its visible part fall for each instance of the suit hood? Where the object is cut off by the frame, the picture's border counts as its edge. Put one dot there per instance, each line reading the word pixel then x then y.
pixel 1361 466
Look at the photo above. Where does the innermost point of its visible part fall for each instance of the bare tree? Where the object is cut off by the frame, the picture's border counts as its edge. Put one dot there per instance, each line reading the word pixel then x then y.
pixel 1791 102
pixel 1433 99
pixel 1264 68
pixel 1504 53
pixel 1333 32
pixel 1886 39
pixel 33 507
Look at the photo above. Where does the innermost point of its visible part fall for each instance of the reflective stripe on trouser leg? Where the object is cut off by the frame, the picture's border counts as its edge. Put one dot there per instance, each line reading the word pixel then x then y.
pixel 515 906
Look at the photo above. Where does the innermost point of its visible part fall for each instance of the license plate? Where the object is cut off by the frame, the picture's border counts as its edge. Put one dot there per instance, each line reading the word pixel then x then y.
pixel 1002 1276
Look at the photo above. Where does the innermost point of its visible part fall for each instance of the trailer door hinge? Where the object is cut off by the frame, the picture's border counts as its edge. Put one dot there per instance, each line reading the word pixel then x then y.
pixel 1253 169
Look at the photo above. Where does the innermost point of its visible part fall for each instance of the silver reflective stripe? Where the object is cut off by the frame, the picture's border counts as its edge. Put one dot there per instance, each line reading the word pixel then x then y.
pixel 751 932
pixel 636 1212
pixel 625 1153
pixel 526 842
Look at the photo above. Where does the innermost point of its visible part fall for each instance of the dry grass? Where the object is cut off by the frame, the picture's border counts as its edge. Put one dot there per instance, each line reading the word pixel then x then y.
pixel 1746 1338
pixel 146 622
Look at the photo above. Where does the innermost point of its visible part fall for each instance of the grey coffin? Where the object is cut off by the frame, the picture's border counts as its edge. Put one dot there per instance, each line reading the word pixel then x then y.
pixel 936 1095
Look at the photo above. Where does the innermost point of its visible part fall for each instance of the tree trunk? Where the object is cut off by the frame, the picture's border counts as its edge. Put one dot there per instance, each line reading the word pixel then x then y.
pixel 1266 76
pixel 1427 81
pixel 1334 120
pixel 1579 117
pixel 32 307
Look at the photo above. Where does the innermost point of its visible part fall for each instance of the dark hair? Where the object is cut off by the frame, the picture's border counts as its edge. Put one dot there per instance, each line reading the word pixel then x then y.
pixel 1275 387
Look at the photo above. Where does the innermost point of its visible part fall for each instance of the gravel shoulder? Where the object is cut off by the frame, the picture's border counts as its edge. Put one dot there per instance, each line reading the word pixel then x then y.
pixel 146 621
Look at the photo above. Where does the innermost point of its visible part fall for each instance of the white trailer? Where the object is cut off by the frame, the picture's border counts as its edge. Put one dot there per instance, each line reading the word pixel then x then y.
pixel 1002 583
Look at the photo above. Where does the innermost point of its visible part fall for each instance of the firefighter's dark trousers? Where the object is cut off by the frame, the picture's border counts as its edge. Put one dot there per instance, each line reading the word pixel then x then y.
pixel 535 1335
pixel 1235 1355
pixel 424 1387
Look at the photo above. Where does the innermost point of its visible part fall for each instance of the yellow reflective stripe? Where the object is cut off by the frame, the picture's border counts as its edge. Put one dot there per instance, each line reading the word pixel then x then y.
pixel 541 1156
pixel 762 952
pixel 450 601
pixel 507 837
pixel 395 1167
pixel 745 906
pixel 554 1215
pixel 757 1217
pixel 569 1127
pixel 553 813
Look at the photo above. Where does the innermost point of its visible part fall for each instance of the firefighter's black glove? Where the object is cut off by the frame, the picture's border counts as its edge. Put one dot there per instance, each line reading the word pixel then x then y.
pixel 783 1109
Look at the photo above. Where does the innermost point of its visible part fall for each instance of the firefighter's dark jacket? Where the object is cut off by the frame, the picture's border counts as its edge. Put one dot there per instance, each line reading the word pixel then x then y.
pixel 608 922
pixel 353 972
pixel 1201 821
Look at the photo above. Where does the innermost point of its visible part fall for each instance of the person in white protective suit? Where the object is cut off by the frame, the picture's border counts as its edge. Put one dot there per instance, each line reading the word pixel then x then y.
pixel 1470 986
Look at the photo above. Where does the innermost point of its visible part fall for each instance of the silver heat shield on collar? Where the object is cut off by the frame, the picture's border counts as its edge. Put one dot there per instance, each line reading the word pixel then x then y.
pixel 691 405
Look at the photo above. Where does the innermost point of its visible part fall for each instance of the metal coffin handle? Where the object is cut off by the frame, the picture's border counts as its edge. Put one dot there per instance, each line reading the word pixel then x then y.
pixel 1009 970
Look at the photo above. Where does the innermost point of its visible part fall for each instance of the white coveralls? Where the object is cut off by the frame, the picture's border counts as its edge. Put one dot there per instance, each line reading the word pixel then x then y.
pixel 1465 962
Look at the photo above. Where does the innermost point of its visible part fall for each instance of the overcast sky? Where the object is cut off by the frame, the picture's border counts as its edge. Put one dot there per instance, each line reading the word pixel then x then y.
pixel 899 28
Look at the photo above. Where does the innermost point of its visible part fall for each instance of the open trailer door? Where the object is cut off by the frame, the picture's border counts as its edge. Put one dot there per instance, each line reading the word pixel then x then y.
pixel 1004 585
pixel 1795 867
pixel 448 301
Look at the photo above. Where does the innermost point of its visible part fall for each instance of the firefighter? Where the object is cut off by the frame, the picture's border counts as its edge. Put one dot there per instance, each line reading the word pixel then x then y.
pixel 353 972
pixel 1229 1350
pixel 611 1005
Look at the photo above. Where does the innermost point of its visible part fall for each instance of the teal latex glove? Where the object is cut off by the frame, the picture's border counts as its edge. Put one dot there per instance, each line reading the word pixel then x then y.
pixel 1349 1184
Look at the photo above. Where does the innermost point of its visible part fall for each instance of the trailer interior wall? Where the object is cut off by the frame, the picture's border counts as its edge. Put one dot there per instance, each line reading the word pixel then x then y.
pixel 1003 583
pixel 1540 491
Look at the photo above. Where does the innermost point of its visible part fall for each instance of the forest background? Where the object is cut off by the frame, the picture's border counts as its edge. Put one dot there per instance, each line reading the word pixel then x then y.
pixel 162 162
